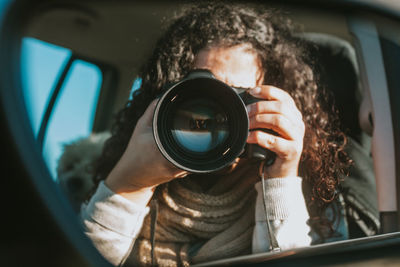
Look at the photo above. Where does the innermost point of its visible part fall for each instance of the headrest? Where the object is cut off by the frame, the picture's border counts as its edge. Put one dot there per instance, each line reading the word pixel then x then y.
pixel 334 61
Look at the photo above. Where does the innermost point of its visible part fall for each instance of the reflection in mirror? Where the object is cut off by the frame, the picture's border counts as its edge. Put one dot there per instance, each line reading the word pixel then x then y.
pixel 320 188
pixel 386 127
pixel 73 113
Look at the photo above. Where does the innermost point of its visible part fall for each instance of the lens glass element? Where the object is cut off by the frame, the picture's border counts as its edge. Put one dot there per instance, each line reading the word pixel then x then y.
pixel 200 125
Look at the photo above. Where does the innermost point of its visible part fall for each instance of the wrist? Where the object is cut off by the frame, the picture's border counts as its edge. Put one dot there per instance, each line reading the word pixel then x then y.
pixel 281 170
pixel 118 183
pixel 138 195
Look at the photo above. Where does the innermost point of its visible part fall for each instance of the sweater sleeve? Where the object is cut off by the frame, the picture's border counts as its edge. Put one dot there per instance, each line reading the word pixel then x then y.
pixel 287 212
pixel 112 223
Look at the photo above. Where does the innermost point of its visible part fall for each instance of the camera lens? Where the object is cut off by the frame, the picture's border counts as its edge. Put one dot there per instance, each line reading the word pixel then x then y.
pixel 200 124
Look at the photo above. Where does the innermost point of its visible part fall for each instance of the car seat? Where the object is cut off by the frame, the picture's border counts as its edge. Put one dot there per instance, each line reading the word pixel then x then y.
pixel 334 61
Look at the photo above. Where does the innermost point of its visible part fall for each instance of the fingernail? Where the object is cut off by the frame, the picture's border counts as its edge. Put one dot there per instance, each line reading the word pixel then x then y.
pixel 255 90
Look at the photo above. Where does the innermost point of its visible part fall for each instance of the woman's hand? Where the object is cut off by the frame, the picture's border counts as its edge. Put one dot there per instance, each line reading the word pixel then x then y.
pixel 142 166
pixel 280 114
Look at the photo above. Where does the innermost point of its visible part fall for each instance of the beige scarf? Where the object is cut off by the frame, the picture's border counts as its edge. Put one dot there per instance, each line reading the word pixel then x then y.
pixel 195 224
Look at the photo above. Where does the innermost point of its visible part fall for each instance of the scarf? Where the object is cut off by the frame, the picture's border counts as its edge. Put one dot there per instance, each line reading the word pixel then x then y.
pixel 198 223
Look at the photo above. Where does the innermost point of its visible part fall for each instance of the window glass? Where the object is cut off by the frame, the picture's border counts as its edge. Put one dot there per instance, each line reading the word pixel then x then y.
pixel 137 83
pixel 73 114
pixel 41 64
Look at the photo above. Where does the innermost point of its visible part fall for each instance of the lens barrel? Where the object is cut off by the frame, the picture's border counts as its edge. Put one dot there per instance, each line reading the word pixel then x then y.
pixel 200 124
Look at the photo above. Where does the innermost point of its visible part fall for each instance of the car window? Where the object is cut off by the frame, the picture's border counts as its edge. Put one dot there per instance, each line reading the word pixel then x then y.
pixel 73 113
pixel 42 63
pixel 135 86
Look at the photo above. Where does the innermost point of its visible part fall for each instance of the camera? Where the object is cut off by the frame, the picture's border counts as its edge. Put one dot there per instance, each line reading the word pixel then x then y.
pixel 201 125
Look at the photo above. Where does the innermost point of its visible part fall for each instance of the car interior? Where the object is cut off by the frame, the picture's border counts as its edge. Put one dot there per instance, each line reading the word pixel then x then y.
pixel 116 37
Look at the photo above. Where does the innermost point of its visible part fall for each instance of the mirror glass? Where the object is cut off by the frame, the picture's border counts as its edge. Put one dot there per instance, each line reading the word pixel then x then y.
pixel 80 64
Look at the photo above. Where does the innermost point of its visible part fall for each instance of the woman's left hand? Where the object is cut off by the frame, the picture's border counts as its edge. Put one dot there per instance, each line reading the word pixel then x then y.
pixel 279 113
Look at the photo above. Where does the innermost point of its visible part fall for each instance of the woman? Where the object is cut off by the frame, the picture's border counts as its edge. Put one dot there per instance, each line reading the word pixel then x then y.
pixel 206 217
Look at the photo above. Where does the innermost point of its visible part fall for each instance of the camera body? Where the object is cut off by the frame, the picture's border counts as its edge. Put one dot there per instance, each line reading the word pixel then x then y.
pixel 252 150
pixel 201 125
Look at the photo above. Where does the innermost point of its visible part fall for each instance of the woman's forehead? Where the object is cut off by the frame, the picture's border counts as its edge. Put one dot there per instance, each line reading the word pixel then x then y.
pixel 238 66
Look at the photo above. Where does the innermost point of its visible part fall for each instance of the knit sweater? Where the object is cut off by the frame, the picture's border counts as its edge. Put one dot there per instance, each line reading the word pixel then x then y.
pixel 113 223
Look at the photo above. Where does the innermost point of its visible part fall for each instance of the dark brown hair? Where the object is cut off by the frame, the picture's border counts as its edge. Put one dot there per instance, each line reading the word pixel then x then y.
pixel 323 160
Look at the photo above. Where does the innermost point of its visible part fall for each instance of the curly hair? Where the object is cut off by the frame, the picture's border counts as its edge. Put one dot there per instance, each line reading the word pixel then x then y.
pixel 283 57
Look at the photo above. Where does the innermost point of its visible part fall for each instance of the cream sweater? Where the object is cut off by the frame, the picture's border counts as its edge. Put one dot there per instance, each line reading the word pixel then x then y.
pixel 113 222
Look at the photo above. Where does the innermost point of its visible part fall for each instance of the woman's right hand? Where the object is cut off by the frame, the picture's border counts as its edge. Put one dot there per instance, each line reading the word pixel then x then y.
pixel 142 166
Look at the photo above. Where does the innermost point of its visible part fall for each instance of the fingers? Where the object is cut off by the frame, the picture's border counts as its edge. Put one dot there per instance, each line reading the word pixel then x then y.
pixel 269 92
pixel 278 113
pixel 285 149
pixel 279 102
pixel 289 110
pixel 279 123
